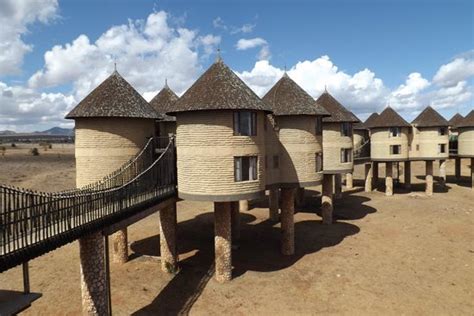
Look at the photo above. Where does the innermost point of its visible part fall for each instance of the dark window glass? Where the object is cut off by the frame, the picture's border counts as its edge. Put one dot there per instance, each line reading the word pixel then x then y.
pixel 319 126
pixel 442 148
pixel 395 149
pixel 395 131
pixel 442 131
pixel 245 168
pixel 346 155
pixel 346 129
pixel 245 123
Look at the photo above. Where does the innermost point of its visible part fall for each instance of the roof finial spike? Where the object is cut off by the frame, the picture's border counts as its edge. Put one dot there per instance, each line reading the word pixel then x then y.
pixel 218 58
pixel 166 82
pixel 325 88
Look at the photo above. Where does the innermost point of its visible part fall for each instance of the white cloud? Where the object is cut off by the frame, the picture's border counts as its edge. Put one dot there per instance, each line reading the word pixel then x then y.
pixel 246 28
pixel 15 17
pixel 244 44
pixel 455 71
pixel 209 43
pixel 218 23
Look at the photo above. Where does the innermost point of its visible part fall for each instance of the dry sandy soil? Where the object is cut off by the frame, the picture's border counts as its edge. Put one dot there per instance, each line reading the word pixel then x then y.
pixel 407 254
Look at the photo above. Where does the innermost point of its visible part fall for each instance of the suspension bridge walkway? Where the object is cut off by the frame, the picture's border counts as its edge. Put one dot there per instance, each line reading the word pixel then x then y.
pixel 33 223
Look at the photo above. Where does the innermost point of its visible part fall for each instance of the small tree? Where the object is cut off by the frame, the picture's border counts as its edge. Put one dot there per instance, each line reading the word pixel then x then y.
pixel 13 145
pixel 3 149
pixel 35 151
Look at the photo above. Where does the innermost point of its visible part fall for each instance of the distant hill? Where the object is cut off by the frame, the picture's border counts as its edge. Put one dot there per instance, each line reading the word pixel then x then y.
pixel 58 131
pixel 52 131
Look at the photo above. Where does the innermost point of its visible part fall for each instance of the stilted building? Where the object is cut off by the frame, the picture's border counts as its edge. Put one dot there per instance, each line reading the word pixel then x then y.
pixel 112 124
pixel 453 133
pixel 429 141
pixel 389 145
pixel 338 158
pixel 220 143
pixel 299 121
pixel 163 102
pixel 466 144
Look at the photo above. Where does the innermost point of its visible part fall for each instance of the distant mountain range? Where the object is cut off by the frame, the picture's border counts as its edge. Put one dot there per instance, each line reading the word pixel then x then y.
pixel 52 131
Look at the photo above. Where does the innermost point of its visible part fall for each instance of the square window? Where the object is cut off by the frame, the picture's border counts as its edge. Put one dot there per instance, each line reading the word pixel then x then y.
pixel 346 129
pixel 245 168
pixel 395 149
pixel 441 148
pixel 395 131
pixel 245 123
pixel 442 131
pixel 319 162
pixel 417 147
pixel 346 155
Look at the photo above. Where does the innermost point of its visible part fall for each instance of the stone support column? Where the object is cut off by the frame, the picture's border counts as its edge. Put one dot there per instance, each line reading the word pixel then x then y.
pixel 223 241
pixel 388 178
pixel 337 186
pixel 442 172
pixel 287 221
pixel 326 199
pixel 349 180
pixel 407 173
pixel 274 204
pixel 375 175
pixel 244 205
pixel 457 167
pixel 168 227
pixel 235 218
pixel 429 178
pixel 368 177
pixel 299 198
pixel 93 275
pixel 120 246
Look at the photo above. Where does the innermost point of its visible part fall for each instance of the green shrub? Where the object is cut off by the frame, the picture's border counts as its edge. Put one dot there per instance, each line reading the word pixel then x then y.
pixel 13 145
pixel 35 151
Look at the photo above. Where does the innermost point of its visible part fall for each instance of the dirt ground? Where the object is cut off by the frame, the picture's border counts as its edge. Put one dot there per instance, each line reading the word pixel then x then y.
pixel 408 254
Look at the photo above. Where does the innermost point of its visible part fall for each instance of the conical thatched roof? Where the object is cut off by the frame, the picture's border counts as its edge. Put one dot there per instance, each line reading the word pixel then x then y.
pixel 455 120
pixel 367 122
pixel 286 97
pixel 359 126
pixel 389 118
pixel 338 112
pixel 467 121
pixel 219 88
pixel 429 117
pixel 164 102
pixel 114 97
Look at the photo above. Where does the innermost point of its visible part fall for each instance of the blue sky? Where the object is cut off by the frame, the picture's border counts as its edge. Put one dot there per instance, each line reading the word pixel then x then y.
pixel 403 45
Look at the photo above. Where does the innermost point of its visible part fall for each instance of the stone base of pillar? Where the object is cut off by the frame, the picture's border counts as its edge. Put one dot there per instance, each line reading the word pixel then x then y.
pixel 120 246
pixel 442 172
pixel 457 168
pixel 223 241
pixel 337 186
pixel 429 178
pixel 368 177
pixel 244 205
pixel 235 219
pixel 274 204
pixel 287 221
pixel 349 181
pixel 93 275
pixel 407 172
pixel 388 179
pixel 326 199
pixel 375 175
pixel 168 225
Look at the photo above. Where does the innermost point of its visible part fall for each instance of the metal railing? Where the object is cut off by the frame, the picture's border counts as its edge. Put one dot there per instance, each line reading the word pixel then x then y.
pixel 33 223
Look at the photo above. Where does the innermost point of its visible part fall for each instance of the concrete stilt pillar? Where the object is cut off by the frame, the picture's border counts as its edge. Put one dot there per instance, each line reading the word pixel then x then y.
pixel 442 172
pixel 93 275
pixel 368 177
pixel 168 225
pixel 287 221
pixel 274 204
pixel 472 173
pixel 326 199
pixel 388 178
pixel 397 167
pixel 299 198
pixel 223 241
pixel 429 178
pixel 457 167
pixel 235 218
pixel 337 186
pixel 349 180
pixel 407 171
pixel 375 175
pixel 244 205
pixel 120 246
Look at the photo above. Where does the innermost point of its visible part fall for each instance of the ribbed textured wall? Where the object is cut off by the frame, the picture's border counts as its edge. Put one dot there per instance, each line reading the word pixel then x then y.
pixel 105 144
pixel 332 144
pixel 380 144
pixel 466 142
pixel 299 146
pixel 360 137
pixel 206 149
pixel 428 139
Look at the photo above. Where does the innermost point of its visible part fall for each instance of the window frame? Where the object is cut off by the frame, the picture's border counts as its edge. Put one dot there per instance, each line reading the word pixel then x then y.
pixel 442 131
pixel 399 149
pixel 239 167
pixel 441 146
pixel 344 158
pixel 237 119
pixel 346 126
pixel 398 132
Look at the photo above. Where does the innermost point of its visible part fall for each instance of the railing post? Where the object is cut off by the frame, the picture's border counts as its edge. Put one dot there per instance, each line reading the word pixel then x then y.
pixel 26 278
